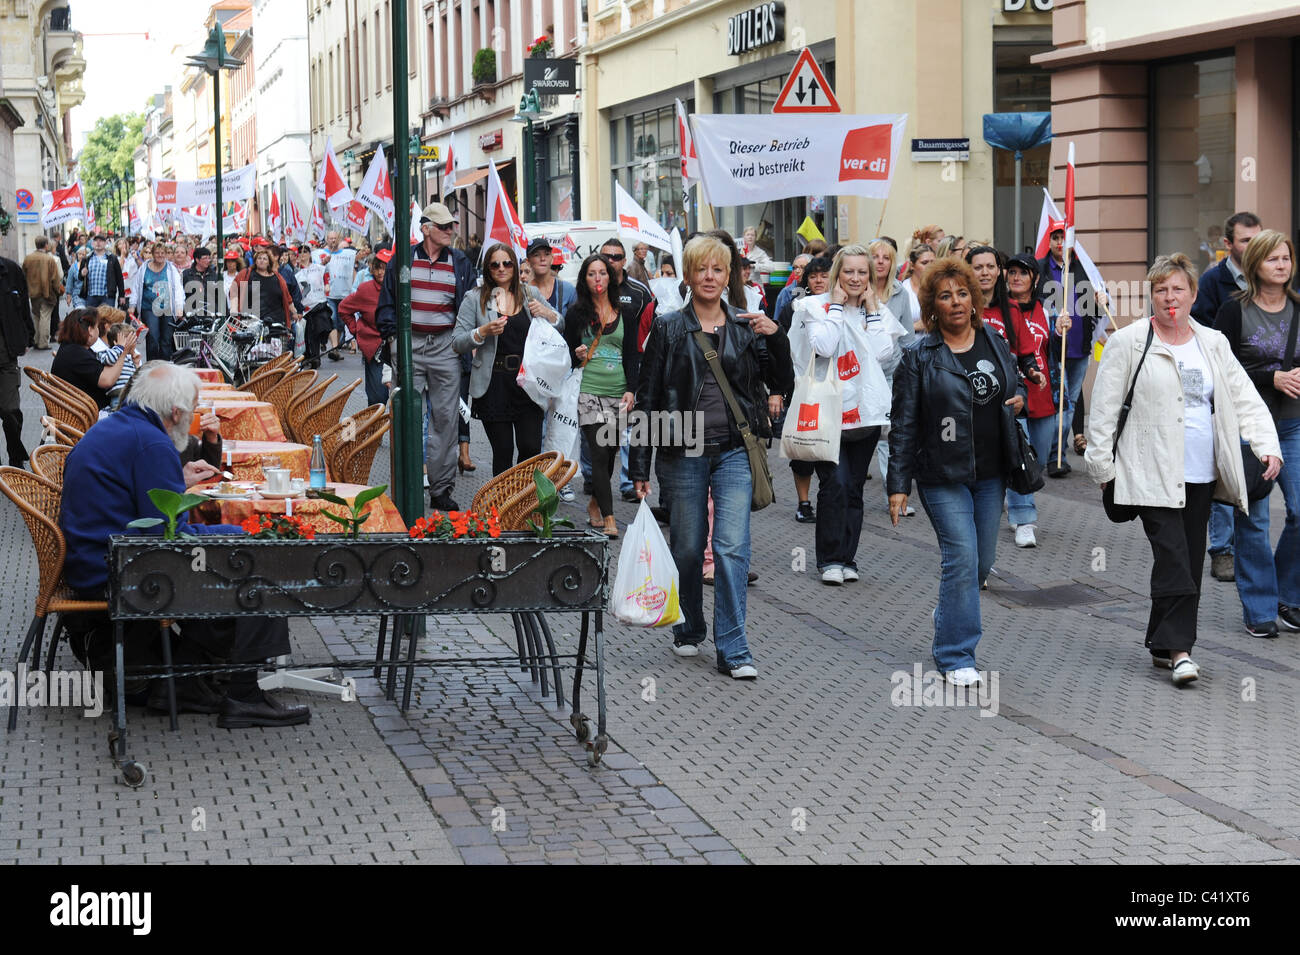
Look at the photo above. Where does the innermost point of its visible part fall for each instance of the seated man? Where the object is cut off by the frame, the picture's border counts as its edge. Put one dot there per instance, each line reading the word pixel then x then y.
pixel 112 470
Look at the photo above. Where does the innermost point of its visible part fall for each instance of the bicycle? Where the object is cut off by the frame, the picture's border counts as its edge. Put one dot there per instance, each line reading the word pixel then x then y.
pixel 237 344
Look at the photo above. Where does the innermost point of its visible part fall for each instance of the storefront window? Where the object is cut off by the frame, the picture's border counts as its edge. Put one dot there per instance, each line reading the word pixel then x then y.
pixel 1194 154
pixel 1019 87
pixel 646 161
pixel 559 177
pixel 776 222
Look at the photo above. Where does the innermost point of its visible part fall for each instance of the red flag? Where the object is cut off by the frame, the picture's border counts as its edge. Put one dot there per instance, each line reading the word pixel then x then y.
pixel 357 216
pixel 449 173
pixel 1069 198
pixel 332 187
pixel 502 223
pixel 376 192
pixel 297 226
pixel 274 219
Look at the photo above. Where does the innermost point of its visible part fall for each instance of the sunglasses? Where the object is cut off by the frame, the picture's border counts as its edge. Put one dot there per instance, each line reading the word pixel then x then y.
pixel 615 258
pixel 501 265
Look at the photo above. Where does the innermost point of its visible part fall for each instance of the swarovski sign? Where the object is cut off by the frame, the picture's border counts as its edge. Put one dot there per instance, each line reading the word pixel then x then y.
pixel 550 77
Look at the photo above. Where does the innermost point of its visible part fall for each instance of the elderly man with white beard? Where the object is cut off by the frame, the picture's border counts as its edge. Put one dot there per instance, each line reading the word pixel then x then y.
pixel 108 477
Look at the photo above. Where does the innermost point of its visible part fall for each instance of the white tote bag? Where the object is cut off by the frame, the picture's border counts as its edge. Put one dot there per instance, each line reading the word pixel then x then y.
pixel 544 364
pixel 562 418
pixel 645 587
pixel 812 426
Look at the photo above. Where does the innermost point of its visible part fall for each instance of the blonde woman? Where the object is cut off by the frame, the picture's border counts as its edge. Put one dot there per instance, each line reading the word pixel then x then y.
pixel 919 258
pixel 1193 405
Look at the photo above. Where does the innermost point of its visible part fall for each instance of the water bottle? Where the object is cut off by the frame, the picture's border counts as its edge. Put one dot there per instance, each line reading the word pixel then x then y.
pixel 317 463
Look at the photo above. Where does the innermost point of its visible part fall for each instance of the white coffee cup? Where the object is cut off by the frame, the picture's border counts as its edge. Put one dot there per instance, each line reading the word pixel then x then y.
pixel 277 480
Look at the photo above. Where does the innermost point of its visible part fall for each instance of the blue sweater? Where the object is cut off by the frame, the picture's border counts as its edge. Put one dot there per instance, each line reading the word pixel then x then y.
pixel 106 484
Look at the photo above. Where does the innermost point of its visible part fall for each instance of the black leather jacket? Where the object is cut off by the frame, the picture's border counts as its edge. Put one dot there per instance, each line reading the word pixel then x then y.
pixel 673 370
pixel 933 401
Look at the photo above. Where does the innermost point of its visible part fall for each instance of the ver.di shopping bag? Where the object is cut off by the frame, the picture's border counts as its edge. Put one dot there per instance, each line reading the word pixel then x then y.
pixel 813 428
pixel 645 587
pixel 544 364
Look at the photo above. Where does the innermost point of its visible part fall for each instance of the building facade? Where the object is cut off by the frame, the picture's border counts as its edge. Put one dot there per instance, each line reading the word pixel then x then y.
pixel 879 56
pixel 1181 114
pixel 282 142
pixel 41 66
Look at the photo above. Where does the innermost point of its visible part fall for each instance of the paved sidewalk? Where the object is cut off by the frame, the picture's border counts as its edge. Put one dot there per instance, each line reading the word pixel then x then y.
pixel 1092 754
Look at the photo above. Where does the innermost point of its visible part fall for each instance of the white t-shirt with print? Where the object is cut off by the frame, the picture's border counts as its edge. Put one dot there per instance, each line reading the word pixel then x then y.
pixel 1198 393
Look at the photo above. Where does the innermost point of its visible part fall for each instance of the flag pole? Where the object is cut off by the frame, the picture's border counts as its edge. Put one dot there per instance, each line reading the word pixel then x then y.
pixel 881 221
pixel 1066 310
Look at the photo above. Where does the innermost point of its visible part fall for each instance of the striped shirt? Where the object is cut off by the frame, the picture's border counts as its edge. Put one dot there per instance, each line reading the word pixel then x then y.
pixel 433 296
pixel 96 275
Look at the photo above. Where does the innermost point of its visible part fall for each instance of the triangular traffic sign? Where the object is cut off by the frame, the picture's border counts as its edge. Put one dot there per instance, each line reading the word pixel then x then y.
pixel 806 90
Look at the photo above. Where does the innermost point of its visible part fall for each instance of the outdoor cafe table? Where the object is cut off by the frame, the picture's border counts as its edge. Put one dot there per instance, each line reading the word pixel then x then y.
pixel 384 516
pixel 216 385
pixel 210 374
pixel 224 394
pixel 249 420
pixel 243 459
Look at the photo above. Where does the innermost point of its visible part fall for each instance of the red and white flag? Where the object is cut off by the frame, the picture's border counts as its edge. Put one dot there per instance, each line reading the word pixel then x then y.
pixel 1069 198
pixel 357 216
pixel 63 204
pixel 90 218
pixel 317 221
pixel 569 245
pixel 274 219
pixel 502 223
pixel 133 219
pixel 376 192
pixel 297 225
pixel 1049 221
pixel 690 159
pixel 332 186
pixel 636 224
pixel 449 172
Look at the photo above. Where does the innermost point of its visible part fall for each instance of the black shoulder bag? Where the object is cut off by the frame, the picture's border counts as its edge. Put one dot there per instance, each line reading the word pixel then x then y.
pixel 1123 513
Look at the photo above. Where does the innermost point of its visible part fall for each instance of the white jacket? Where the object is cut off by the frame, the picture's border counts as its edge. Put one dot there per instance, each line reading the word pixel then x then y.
pixel 175 287
pixel 864 347
pixel 1147 467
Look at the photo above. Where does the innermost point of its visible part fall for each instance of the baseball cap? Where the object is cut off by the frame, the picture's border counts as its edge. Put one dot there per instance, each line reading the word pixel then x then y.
pixel 539 244
pixel 384 255
pixel 1055 225
pixel 436 213
pixel 232 255
pixel 1025 261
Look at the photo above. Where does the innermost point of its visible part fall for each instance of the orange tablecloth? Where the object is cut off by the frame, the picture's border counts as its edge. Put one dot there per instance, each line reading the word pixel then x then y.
pixel 384 516
pixel 245 458
pixel 216 385
pixel 207 395
pixel 210 374
pixel 248 421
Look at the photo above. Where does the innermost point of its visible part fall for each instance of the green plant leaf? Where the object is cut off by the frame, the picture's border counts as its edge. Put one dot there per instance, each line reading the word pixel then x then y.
pixel 145 522
pixel 547 496
pixel 361 518
pixel 332 498
pixel 368 495
pixel 562 522
pixel 536 529
pixel 169 502
pixel 345 521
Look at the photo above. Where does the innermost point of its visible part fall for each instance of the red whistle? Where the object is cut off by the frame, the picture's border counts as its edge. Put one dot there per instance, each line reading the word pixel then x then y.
pixel 1172 311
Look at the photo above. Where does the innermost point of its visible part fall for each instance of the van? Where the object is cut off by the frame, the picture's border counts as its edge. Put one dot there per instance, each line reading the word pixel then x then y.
pixel 587 235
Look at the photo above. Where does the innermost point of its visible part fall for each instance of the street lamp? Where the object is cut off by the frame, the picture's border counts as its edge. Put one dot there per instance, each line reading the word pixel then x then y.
pixel 530 108
pixel 212 60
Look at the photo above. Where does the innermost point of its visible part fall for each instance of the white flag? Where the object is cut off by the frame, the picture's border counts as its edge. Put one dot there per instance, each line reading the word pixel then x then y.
pixel 636 224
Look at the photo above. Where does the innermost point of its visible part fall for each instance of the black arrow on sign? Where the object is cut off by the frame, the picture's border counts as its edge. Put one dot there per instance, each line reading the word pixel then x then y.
pixel 811 91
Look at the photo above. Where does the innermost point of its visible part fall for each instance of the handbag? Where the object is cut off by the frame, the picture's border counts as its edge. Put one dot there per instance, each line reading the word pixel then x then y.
pixel 1123 513
pixel 762 475
pixel 813 432
pixel 1026 475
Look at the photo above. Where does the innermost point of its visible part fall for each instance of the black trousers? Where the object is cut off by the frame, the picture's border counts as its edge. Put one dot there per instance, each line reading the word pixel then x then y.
pixel 602 468
pixel 524 432
pixel 1177 539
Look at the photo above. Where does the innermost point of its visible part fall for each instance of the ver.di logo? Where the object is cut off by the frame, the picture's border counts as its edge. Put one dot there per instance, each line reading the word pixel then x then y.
pixel 866 153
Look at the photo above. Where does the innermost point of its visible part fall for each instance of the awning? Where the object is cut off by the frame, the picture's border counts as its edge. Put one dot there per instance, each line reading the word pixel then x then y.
pixel 474 175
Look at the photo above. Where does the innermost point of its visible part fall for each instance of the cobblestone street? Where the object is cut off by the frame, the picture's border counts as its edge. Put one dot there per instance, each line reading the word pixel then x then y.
pixel 1086 753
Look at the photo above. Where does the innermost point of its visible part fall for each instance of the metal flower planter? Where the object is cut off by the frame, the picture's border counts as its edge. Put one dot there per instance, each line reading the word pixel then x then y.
pixel 387 575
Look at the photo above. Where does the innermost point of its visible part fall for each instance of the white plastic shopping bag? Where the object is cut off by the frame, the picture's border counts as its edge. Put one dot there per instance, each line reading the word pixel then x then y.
pixel 545 362
pixel 561 433
pixel 645 587
pixel 813 424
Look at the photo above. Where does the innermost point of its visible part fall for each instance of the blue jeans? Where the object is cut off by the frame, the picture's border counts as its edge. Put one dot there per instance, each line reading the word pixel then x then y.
pixel 965 519
pixel 334 315
pixel 685 486
pixel 1266 578
pixel 158 343
pixel 1041 432
pixel 1075 370
pixel 376 392
pixel 1221 528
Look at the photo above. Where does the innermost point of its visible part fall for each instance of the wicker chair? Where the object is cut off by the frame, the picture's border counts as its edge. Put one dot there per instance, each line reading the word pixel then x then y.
pixel 325 415
pixel 302 404
pixel 62 409
pixel 359 455
pixel 285 391
pixel 62 433
pixel 262 383
pixel 38 501
pixel 48 461
pixel 497 491
pixel 74 395
pixel 523 505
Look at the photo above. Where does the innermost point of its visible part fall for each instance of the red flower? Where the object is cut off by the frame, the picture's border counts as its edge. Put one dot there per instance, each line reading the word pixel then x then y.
pixel 252 525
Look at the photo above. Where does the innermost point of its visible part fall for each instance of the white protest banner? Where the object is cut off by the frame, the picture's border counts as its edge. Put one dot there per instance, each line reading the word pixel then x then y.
pixel 60 205
pixel 376 192
pixel 164 196
pixel 751 158
pixel 236 184
pixel 637 225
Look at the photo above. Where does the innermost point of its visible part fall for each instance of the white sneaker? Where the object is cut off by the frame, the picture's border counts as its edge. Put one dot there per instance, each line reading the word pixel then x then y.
pixel 1025 536
pixel 910 511
pixel 686 649
pixel 747 672
pixel 850 575
pixel 833 575
pixel 567 495
pixel 963 676
pixel 1185 671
